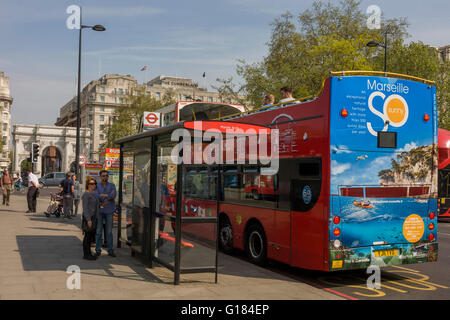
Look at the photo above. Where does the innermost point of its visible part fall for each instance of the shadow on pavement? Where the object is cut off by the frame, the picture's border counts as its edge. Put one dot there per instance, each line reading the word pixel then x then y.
pixel 57 253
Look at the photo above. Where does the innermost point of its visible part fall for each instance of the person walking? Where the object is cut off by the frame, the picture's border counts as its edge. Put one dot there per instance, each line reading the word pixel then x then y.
pixel 76 193
pixel 90 218
pixel 67 193
pixel 6 183
pixel 106 193
pixel 33 191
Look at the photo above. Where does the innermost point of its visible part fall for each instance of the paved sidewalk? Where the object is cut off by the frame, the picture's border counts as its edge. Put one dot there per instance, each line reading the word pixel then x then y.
pixel 37 250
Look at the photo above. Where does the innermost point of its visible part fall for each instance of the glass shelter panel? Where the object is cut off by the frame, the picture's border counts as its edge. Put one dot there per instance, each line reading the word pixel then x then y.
pixel 166 180
pixel 135 203
pixel 199 218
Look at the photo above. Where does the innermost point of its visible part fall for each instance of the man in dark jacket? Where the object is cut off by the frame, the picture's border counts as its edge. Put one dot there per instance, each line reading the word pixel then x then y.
pixel 67 193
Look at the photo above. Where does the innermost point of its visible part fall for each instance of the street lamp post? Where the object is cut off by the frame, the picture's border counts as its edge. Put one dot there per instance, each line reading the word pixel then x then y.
pixel 376 44
pixel 77 147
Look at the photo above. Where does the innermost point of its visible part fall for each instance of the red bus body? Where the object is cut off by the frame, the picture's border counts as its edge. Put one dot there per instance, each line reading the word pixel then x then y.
pixel 444 174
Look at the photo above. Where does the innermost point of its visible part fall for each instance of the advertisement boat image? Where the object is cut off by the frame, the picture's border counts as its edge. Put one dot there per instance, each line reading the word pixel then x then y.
pixel 363 204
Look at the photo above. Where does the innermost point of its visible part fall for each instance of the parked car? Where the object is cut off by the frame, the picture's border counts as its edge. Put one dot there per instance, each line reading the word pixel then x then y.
pixel 52 179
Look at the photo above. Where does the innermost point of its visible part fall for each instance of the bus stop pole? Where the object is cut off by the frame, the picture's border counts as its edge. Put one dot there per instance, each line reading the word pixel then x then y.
pixel 218 184
pixel 119 213
pixel 178 225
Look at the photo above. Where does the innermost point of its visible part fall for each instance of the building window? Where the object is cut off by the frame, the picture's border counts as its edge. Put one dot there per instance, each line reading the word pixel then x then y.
pixel 90 117
pixel 210 99
pixel 120 91
pixel 120 100
pixel 102 137
pixel 5 115
pixel 5 127
pixel 228 100
pixel 102 89
pixel 147 93
pixel 158 95
pixel 201 98
pixel 102 117
pixel 102 127
pixel 102 108
pixel 219 99
pixel 90 126
pixel 102 98
pixel 4 139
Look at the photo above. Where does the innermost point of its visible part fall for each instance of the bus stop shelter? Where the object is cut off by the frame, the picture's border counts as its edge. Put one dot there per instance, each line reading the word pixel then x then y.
pixel 160 216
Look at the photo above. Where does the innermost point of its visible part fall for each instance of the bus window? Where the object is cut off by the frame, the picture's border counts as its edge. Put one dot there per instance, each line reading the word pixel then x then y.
pixel 260 190
pixel 231 183
pixel 199 183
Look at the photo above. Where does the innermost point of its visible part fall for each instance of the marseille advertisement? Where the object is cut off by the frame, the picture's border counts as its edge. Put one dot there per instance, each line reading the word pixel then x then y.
pixel 383 172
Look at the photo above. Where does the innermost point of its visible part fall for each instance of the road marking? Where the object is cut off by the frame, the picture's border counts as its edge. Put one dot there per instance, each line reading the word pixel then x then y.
pixel 384 285
pixel 377 293
pixel 424 278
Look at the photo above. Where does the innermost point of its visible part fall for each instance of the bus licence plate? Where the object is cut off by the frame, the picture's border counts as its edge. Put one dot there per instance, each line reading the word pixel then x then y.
pixel 386 253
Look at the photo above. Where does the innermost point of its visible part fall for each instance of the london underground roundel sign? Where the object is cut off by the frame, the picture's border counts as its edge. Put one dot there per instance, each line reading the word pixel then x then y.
pixel 152 119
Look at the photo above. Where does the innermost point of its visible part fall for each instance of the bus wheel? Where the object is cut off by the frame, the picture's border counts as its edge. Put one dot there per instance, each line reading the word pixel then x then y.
pixel 255 195
pixel 225 235
pixel 256 244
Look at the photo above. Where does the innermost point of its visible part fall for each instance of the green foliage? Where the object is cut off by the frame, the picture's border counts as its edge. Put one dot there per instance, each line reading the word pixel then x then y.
pixel 127 118
pixel 327 37
pixel 228 89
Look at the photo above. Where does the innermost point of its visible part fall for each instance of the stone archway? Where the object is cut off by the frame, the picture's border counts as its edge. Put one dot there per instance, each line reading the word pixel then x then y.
pixel 51 160
pixel 73 167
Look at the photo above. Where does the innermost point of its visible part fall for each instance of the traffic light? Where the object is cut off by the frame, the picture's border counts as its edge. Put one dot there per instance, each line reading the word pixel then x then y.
pixel 34 152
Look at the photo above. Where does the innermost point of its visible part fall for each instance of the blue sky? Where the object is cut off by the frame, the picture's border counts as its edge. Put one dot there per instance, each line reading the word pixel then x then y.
pixel 179 38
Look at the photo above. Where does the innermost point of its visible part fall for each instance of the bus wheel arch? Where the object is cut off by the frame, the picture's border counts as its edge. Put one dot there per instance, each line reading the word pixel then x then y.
pixel 255 242
pixel 225 236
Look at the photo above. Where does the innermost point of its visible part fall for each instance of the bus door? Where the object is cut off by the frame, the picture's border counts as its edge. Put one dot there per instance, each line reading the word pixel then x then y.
pixel 304 176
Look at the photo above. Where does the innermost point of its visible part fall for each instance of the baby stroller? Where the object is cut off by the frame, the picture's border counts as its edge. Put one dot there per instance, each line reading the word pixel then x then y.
pixel 56 205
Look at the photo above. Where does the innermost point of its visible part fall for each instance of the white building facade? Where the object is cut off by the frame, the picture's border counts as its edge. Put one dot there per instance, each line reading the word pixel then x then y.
pixel 56 147
pixel 5 120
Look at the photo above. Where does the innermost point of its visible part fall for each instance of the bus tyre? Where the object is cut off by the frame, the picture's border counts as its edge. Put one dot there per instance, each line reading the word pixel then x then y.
pixel 256 244
pixel 225 235
pixel 255 195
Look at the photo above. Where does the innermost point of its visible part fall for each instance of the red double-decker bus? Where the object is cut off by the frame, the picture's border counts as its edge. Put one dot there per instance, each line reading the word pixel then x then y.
pixel 357 179
pixel 356 183
pixel 444 175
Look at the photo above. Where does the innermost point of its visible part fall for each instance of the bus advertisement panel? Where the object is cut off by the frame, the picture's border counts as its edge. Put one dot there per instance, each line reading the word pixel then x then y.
pixel 383 175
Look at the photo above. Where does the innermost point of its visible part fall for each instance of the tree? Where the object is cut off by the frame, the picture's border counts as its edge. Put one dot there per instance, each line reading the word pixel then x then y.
pixel 232 91
pixel 127 119
pixel 327 37
pixel 301 53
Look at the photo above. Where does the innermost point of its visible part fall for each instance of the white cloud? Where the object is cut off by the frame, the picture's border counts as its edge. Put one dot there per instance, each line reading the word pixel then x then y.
pixel 337 168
